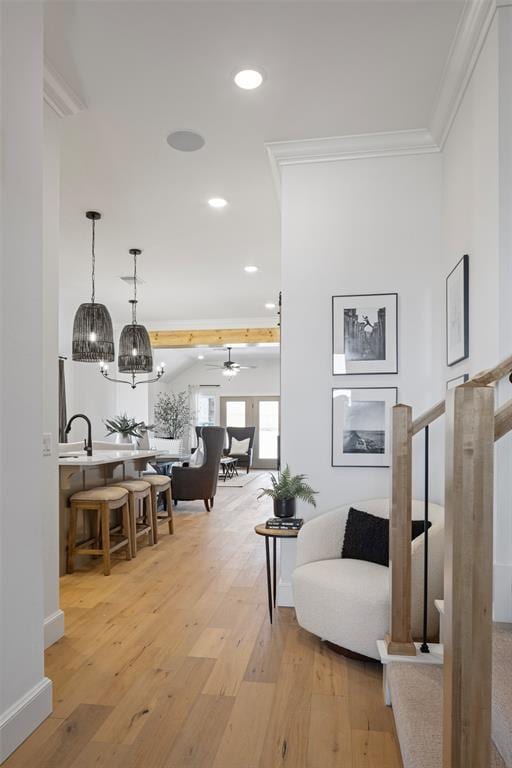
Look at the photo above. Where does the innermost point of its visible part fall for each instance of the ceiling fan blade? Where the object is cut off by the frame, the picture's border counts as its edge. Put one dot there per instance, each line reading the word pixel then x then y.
pixel 246 367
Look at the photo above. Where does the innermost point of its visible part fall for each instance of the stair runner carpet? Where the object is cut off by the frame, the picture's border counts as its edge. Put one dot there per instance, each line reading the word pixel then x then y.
pixel 417 700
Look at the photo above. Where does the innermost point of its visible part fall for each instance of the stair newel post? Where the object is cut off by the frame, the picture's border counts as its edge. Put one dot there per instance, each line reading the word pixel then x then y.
pixel 400 638
pixel 468 577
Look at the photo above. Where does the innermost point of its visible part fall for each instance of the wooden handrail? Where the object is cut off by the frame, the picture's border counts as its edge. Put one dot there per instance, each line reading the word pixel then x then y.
pixel 503 420
pixel 428 417
pixel 489 376
pixel 493 374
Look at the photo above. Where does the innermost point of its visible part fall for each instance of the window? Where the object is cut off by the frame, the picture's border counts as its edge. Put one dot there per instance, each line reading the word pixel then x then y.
pixel 205 410
pixel 235 413
pixel 268 429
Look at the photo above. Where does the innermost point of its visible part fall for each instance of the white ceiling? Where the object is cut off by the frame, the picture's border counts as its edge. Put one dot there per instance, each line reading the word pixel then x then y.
pixel 178 360
pixel 145 69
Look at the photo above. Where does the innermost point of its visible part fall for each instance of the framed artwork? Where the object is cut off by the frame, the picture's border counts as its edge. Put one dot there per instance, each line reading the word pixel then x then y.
pixel 361 426
pixel 457 312
pixel 365 334
pixel 451 383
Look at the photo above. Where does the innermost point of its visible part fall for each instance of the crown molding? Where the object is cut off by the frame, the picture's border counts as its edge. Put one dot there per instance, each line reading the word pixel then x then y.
pixel 354 147
pixel 474 23
pixel 58 94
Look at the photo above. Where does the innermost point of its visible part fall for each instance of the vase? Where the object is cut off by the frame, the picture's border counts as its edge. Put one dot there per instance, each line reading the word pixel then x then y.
pixel 123 439
pixel 284 507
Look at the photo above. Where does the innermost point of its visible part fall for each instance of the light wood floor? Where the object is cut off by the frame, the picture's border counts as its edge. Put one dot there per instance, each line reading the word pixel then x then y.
pixel 170 662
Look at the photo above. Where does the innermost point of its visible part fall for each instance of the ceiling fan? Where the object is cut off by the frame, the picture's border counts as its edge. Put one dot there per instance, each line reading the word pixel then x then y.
pixel 229 367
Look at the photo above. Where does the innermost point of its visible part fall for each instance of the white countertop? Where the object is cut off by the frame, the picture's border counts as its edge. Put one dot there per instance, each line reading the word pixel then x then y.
pixel 103 457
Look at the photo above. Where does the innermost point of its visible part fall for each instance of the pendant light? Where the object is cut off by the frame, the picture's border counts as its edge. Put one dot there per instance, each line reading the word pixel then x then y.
pixel 93 336
pixel 135 353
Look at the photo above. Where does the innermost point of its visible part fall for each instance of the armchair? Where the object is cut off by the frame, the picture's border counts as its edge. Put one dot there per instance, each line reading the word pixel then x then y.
pixel 241 433
pixel 200 482
pixel 346 601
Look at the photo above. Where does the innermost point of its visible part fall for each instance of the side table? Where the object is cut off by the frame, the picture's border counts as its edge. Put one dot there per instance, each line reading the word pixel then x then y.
pixel 273 533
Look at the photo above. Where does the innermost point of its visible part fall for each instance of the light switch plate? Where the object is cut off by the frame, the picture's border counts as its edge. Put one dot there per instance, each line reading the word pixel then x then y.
pixel 47 444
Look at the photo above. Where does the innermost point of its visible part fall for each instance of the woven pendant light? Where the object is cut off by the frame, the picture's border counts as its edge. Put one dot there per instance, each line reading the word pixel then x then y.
pixel 135 353
pixel 93 335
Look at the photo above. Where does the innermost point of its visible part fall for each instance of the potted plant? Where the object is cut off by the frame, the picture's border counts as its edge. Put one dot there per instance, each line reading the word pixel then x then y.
pixel 172 414
pixel 285 489
pixel 124 428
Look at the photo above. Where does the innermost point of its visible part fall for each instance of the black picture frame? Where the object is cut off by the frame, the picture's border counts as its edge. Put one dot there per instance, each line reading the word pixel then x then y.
pixel 361 367
pixel 457 380
pixel 391 400
pixel 458 282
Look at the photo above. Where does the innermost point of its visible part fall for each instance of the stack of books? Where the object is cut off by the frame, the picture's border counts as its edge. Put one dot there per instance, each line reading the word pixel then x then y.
pixel 285 523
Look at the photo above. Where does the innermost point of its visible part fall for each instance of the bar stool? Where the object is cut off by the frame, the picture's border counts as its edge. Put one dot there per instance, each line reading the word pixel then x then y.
pixel 160 484
pixel 141 511
pixel 100 501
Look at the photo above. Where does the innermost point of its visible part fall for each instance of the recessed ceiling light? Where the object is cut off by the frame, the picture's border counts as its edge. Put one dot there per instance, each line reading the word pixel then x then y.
pixel 269 305
pixel 217 202
pixel 249 78
pixel 200 357
pixel 251 269
pixel 185 141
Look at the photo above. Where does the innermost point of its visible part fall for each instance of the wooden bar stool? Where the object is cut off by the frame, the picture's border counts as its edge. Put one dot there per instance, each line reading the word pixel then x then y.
pixel 100 501
pixel 160 484
pixel 141 511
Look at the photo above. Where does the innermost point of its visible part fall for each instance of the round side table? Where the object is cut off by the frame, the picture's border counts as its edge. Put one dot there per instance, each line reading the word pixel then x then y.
pixel 273 533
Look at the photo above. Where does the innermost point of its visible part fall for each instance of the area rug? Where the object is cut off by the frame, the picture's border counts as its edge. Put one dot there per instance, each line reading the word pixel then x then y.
pixel 242 480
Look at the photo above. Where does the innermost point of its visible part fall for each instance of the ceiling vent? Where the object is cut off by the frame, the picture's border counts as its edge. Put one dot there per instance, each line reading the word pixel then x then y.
pixel 128 279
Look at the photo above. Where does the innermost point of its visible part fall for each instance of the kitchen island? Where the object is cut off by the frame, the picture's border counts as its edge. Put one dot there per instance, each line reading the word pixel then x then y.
pixel 78 472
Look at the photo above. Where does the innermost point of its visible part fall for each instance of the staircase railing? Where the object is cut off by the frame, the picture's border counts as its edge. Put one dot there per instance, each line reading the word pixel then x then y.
pixel 471 428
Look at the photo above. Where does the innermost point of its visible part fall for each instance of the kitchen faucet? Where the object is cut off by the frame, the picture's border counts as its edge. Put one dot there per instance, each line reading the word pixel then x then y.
pixel 88 442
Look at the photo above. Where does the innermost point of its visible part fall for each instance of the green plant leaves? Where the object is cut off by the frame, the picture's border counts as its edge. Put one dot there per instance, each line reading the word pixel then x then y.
pixel 288 486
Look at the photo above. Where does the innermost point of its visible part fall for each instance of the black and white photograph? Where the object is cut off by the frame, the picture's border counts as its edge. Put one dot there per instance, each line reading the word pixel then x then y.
pixel 457 312
pixel 364 332
pixel 451 383
pixel 361 419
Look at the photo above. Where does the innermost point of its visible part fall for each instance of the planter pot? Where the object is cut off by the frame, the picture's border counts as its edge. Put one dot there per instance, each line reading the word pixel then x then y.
pixel 123 439
pixel 284 507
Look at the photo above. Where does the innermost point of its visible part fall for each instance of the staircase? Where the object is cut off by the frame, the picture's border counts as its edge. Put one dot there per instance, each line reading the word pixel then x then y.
pixel 420 727
pixel 458 715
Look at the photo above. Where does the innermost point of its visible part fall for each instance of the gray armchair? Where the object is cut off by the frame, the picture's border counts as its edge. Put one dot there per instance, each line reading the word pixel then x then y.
pixel 191 483
pixel 241 433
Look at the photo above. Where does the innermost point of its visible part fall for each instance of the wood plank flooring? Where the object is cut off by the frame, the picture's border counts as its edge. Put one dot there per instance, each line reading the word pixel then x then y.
pixel 170 662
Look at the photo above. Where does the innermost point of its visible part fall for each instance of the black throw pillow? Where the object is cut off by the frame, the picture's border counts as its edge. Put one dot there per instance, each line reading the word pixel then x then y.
pixel 367 537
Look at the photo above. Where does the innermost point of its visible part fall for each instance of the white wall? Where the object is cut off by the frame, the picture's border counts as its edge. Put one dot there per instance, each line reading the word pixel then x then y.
pixel 477 198
pixel 54 617
pixel 25 694
pixel 349 227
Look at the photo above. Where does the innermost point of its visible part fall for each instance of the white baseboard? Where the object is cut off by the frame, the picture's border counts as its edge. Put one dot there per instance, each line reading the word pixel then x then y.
pixel 53 628
pixel 285 595
pixel 502 588
pixel 18 722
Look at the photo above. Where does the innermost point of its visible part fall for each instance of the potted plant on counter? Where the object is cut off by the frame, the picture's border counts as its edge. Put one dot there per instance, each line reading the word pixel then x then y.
pixel 126 429
pixel 286 488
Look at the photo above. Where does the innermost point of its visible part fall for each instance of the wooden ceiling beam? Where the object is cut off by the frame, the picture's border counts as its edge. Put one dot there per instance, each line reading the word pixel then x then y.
pixel 212 337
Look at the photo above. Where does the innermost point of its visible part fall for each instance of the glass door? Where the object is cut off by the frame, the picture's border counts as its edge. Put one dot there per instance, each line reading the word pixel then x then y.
pixel 262 413
pixel 267 432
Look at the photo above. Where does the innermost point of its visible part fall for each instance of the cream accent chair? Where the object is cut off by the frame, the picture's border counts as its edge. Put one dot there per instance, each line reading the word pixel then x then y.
pixel 347 601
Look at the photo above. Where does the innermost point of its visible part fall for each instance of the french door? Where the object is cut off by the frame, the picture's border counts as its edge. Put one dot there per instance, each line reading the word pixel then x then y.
pixel 261 413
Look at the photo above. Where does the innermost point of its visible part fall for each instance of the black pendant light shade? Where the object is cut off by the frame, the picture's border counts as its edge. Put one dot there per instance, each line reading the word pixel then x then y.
pixel 135 353
pixel 93 335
